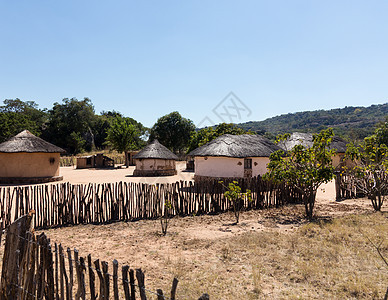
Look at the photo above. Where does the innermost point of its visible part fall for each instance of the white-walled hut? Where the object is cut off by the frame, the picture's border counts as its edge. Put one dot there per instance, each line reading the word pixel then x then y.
pixel 306 139
pixel 155 160
pixel 26 158
pixel 233 156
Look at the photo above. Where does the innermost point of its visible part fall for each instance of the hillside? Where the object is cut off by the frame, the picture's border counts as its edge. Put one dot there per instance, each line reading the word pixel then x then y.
pixel 352 123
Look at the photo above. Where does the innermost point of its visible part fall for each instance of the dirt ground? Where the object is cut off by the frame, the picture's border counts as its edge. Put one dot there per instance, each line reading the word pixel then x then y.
pixel 74 176
pixel 193 243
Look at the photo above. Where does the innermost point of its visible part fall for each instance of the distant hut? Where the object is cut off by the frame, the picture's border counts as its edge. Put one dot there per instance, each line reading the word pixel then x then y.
pixel 306 139
pixel 95 161
pixel 131 159
pixel 155 160
pixel 233 156
pixel 26 158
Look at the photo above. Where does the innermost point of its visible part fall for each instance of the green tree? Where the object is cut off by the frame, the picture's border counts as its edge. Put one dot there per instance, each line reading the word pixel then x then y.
pixel 303 168
pixel 235 196
pixel 124 136
pixel 207 134
pixel 370 170
pixel 173 131
pixel 70 125
pixel 101 125
pixel 17 115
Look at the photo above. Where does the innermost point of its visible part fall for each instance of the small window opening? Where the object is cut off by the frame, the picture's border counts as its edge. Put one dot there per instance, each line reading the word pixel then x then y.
pixel 247 163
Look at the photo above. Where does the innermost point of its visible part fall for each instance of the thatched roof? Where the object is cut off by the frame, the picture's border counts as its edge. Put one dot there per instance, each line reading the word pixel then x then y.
pixel 25 141
pixel 306 139
pixel 245 145
pixel 155 150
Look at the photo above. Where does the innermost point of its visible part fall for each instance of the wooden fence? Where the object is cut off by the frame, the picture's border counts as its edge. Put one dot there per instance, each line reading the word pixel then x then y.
pixel 33 268
pixel 66 204
pixel 345 187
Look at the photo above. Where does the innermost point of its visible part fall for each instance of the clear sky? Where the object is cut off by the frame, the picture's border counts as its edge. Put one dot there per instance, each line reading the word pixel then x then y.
pixel 148 58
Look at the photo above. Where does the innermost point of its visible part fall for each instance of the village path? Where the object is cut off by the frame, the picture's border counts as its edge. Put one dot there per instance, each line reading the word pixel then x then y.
pixel 85 176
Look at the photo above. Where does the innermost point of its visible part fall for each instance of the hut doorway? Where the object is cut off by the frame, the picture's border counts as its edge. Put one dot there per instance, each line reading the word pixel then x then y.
pixel 247 167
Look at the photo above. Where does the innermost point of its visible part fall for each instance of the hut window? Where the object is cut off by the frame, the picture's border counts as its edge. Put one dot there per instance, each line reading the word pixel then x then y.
pixel 239 163
pixel 89 161
pixel 247 163
pixel 205 158
pixel 52 160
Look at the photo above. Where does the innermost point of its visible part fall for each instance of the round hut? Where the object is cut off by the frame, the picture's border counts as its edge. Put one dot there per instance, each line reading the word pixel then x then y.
pixel 26 158
pixel 232 156
pixel 306 140
pixel 155 160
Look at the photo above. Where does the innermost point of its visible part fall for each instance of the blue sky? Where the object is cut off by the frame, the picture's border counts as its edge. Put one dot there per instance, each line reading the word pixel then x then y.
pixel 148 58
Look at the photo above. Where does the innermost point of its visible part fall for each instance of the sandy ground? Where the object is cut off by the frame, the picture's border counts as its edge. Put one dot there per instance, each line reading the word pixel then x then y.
pixel 74 176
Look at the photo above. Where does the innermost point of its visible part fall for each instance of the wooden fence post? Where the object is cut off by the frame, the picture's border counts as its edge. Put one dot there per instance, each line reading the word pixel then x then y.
pixel 115 279
pixel 15 241
pixel 124 275
pixel 91 279
pixel 132 283
pixel 106 278
pixel 173 288
pixel 140 282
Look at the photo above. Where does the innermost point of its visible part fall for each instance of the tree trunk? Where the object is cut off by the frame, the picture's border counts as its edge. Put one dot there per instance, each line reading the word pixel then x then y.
pixel 309 202
pixel 126 159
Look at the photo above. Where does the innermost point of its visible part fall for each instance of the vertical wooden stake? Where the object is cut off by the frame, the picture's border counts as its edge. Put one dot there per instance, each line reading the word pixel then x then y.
pixel 140 282
pixel 124 275
pixel 132 283
pixel 91 279
pixel 106 278
pixel 173 288
pixel 115 278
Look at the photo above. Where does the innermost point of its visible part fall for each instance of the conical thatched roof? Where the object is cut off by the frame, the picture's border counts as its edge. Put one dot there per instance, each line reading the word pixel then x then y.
pixel 25 141
pixel 245 145
pixel 306 139
pixel 155 150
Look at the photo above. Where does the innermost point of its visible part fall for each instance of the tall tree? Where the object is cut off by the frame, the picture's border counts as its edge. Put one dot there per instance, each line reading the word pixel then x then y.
pixel 173 131
pixel 70 125
pixel 370 169
pixel 123 136
pixel 17 115
pixel 304 168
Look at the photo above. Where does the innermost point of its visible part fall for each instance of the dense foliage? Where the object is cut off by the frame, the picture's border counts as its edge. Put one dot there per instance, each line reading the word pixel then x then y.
pixel 71 124
pixel 173 131
pixel 352 123
pixel 124 134
pixel 304 168
pixel 16 116
pixel 370 170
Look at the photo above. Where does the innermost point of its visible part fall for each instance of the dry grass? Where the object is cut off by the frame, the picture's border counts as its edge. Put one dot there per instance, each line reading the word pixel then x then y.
pixel 271 254
pixel 323 260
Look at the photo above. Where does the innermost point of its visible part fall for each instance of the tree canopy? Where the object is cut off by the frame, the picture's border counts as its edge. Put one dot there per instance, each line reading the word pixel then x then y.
pixel 124 135
pixel 304 168
pixel 173 131
pixel 70 125
pixel 16 116
pixel 370 169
